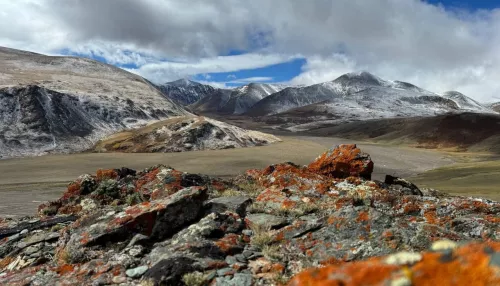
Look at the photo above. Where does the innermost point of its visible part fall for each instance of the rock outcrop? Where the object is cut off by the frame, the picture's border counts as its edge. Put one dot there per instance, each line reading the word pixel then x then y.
pixel 161 226
pixel 186 133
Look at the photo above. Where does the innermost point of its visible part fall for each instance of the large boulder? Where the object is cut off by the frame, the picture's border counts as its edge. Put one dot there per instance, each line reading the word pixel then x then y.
pixel 343 161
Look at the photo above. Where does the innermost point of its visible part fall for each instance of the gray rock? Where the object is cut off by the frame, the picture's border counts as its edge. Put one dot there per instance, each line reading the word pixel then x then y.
pixel 238 279
pixel 247 253
pixel 224 271
pixel 272 221
pixel 248 232
pixel 24 231
pixel 240 258
pixel 236 204
pixel 137 239
pixel 231 260
pixel 136 272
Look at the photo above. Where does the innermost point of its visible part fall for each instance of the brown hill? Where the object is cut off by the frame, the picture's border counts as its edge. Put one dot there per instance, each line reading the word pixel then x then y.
pixel 458 132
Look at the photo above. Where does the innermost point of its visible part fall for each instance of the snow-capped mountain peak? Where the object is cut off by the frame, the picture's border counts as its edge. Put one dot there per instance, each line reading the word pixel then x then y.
pixel 183 82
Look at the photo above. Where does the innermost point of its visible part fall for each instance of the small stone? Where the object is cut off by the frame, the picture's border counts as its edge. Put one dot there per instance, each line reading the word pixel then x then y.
pixel 231 260
pixel 403 258
pixel 135 251
pixel 31 249
pixel 119 279
pixel 247 232
pixel 24 231
pixel 247 253
pixel 444 244
pixel 401 281
pixel 136 272
pixel 225 271
pixel 240 258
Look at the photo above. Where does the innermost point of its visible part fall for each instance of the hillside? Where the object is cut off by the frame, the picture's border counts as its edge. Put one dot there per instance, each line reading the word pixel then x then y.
pixel 65 104
pixel 183 134
pixel 458 132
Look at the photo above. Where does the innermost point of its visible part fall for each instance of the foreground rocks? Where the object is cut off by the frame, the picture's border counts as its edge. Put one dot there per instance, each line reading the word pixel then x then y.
pixel 164 227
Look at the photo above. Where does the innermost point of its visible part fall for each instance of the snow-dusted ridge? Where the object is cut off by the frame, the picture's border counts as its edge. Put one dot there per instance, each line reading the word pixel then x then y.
pixel 65 104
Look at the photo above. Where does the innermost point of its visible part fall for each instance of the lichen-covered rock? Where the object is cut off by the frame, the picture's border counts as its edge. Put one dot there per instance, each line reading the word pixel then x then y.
pixel 472 264
pixel 161 226
pixel 343 161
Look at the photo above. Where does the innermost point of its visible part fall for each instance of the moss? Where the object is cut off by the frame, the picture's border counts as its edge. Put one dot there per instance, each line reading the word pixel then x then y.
pixel 134 199
pixel 194 279
pixel 108 188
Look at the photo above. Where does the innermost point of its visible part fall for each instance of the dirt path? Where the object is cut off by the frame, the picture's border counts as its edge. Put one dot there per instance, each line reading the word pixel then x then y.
pixel 26 182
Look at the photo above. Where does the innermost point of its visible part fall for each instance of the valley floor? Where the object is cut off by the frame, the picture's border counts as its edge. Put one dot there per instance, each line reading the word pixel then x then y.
pixel 25 182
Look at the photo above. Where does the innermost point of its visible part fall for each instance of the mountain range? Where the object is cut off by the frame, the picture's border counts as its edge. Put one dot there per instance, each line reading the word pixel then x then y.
pixel 350 97
pixel 65 104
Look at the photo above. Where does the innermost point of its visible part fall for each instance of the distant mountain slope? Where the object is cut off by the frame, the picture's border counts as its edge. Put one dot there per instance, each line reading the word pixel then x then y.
pixel 339 88
pixel 65 104
pixel 235 101
pixel 495 107
pixel 184 134
pixel 185 92
pixel 457 131
pixel 465 102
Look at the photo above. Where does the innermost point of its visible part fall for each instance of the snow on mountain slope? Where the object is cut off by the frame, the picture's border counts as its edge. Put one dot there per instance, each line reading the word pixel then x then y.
pixel 65 104
pixel 186 92
pixel 185 133
pixel 235 101
pixel 243 98
pixel 363 95
pixel 341 87
pixel 372 103
pixel 465 102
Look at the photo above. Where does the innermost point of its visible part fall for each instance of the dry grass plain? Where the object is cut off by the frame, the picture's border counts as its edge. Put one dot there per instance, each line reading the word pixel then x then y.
pixel 25 182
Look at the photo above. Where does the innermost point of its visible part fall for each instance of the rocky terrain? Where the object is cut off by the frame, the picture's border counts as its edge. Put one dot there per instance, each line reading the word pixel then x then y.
pixel 183 134
pixel 234 101
pixel 161 226
pixel 65 104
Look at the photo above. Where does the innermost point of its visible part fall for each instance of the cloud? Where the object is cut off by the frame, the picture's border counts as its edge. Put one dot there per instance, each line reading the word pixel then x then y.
pixel 436 47
pixel 252 79
pixel 166 71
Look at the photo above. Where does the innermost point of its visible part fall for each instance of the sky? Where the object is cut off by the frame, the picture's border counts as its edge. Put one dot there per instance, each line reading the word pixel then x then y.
pixel 437 45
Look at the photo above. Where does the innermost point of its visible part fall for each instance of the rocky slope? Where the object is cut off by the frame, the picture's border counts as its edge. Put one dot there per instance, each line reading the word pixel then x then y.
pixel 235 101
pixel 65 104
pixel 186 92
pixel 160 226
pixel 183 134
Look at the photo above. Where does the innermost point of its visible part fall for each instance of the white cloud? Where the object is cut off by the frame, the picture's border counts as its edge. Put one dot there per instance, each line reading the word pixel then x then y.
pixel 252 79
pixel 408 40
pixel 166 71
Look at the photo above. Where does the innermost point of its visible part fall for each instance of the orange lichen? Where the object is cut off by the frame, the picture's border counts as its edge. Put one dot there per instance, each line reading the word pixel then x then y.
pixel 64 269
pixel 469 265
pixel 102 175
